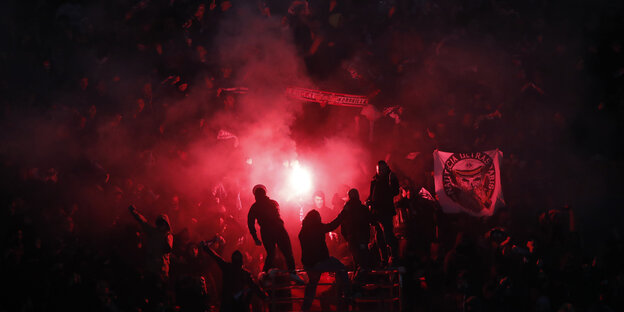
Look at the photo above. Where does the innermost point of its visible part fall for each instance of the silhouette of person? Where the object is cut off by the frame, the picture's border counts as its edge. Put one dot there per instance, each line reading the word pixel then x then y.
pixel 158 246
pixel 383 188
pixel 237 284
pixel 315 255
pixel 272 230
pixel 355 229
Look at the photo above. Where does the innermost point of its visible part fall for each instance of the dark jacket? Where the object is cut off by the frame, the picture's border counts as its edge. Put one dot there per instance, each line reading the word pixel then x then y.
pixel 237 285
pixel 158 244
pixel 266 211
pixel 312 239
pixel 383 188
pixel 355 226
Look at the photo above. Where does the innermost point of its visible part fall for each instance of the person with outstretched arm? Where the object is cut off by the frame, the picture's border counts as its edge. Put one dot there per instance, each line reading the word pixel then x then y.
pixel 272 231
pixel 237 284
pixel 158 244
pixel 315 255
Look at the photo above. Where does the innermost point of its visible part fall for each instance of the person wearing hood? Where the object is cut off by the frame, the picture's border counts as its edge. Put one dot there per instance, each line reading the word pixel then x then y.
pixel 315 255
pixel 272 231
pixel 158 244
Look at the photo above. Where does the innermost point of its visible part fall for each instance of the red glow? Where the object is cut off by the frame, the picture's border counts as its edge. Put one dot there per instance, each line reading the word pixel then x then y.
pixel 300 180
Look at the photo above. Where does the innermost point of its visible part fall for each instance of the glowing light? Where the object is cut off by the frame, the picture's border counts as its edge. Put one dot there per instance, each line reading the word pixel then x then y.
pixel 300 179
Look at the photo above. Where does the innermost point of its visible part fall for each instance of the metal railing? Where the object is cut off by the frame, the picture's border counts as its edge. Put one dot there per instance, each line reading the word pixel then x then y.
pixel 381 292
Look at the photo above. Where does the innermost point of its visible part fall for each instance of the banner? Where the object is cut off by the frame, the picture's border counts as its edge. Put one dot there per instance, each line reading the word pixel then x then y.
pixel 468 182
pixel 329 98
pixel 226 135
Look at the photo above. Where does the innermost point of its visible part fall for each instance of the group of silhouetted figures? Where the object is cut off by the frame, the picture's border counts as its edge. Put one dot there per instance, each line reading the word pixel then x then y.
pixel 461 270
pixel 355 219
pixel 472 265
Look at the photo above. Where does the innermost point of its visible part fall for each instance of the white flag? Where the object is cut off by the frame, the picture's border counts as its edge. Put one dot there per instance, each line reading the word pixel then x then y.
pixel 468 182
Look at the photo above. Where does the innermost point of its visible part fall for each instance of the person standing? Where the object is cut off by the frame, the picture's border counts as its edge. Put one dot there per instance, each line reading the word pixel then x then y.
pixel 272 231
pixel 158 246
pixel 356 230
pixel 383 188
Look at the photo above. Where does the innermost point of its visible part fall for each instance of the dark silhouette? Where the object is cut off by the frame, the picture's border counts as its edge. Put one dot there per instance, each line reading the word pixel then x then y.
pixel 356 229
pixel 272 230
pixel 315 255
pixel 237 284
pixel 383 188
pixel 158 246
pixel 158 243
pixel 106 104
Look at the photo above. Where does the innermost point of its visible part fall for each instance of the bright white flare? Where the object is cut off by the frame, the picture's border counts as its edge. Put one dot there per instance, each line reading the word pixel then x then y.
pixel 300 179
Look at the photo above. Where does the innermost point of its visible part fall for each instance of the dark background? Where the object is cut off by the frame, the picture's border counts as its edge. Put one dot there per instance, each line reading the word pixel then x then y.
pixel 89 96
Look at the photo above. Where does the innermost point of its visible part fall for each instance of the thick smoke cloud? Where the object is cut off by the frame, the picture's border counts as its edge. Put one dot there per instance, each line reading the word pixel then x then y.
pixel 161 153
pixel 112 105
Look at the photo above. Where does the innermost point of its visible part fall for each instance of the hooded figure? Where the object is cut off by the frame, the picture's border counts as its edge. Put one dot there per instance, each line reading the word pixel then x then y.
pixel 158 243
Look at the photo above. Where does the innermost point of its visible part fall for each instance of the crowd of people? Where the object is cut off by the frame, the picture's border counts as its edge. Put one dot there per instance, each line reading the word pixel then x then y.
pixel 83 78
pixel 447 262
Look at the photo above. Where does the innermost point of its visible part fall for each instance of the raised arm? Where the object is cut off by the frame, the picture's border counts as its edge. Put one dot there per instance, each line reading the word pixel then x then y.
pixel 222 263
pixel 139 217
